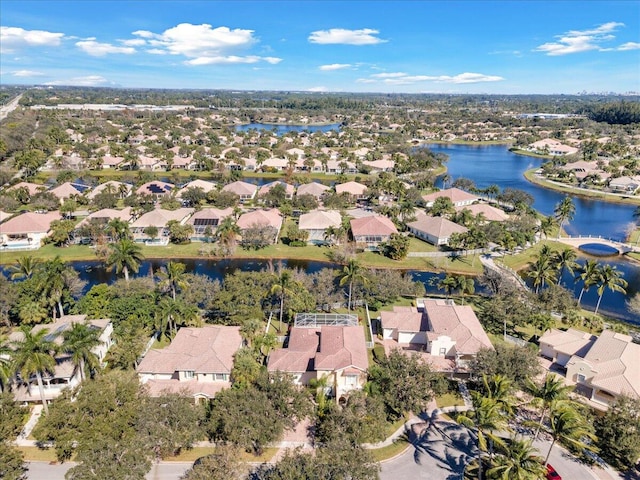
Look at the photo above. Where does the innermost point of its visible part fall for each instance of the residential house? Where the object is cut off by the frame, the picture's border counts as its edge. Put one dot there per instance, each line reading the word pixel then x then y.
pixel 67 190
pixel 316 222
pixel 458 197
pixel 440 327
pixel 314 189
pixel 435 230
pixel 205 186
pixel 158 218
pixel 65 373
pixel 335 353
pixel 489 213
pixel 550 146
pixel 245 190
pixel 603 368
pixel 109 162
pixel 156 189
pixel 198 362
pixel 207 217
pixel 625 184
pixel 270 219
pixel 101 217
pixel 26 231
pixel 289 190
pixel 377 166
pixel 117 188
pixel 370 232
pixel 355 190
pixel 32 188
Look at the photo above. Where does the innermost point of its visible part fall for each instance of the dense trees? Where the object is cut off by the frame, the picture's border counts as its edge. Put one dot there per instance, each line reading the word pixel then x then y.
pixel 618 432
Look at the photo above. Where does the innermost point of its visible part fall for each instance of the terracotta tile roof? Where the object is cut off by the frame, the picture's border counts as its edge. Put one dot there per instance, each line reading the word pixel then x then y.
pixel 4 216
pixel 569 342
pixel 65 190
pixel 438 227
pixel 289 189
pixel 271 218
pixel 241 188
pixel 454 194
pixel 29 223
pixel 314 188
pixel 404 319
pixel 198 183
pixel 352 188
pixel 107 214
pixel 33 188
pixel 320 220
pixel 616 359
pixel 374 225
pixel 208 349
pixel 160 217
pixel 327 348
pixel 491 214
pixel 458 322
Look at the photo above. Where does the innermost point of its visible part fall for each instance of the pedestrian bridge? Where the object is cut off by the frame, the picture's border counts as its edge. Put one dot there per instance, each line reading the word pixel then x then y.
pixel 580 240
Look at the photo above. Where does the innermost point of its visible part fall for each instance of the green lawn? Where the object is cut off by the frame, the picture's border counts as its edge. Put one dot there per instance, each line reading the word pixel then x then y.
pixel 36 454
pixel 450 399
pixel 521 260
pixel 390 451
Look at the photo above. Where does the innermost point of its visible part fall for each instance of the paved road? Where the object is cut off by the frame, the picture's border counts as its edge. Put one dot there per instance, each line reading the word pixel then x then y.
pixel 162 471
pixel 442 450
pixel 9 107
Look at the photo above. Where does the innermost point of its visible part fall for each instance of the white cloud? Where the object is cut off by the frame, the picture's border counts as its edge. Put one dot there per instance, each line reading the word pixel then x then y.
pixel 318 89
pixel 26 73
pixel 365 36
pixel 14 38
pixel 87 81
pixel 576 41
pixel 134 42
pixel 334 66
pixel 98 49
pixel 399 78
pixel 203 44
pixel 629 46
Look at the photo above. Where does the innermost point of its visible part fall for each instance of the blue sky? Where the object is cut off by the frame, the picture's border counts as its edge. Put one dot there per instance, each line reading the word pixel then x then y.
pixel 506 47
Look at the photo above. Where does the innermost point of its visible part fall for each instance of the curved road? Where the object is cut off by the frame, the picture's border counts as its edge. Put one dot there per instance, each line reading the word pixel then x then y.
pixel 9 107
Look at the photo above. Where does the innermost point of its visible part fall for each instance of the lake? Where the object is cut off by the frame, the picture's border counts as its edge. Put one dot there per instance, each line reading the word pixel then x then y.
pixel 495 164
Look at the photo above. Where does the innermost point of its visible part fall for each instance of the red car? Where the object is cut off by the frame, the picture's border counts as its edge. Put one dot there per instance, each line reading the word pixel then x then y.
pixel 552 474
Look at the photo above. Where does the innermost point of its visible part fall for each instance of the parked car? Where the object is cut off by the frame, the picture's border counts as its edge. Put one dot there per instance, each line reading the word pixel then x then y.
pixel 552 474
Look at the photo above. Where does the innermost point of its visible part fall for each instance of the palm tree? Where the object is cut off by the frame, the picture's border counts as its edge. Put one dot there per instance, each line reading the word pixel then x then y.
pixel 448 284
pixel 124 255
pixel 282 286
pixel 564 212
pixel 519 460
pixel 551 390
pixel 465 285
pixel 34 354
pixel 80 341
pixel 118 229
pixel 589 276
pixel 351 273
pixel 53 283
pixel 499 388
pixel 5 363
pixel 609 277
pixel 565 260
pixel 227 232
pixel 25 267
pixel 542 272
pixel 547 224
pixel 485 419
pixel 566 424
pixel 172 277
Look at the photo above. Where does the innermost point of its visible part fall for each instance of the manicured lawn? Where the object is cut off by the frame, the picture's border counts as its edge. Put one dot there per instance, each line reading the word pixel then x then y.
pixel 390 451
pixel 38 454
pixel 521 260
pixel 450 399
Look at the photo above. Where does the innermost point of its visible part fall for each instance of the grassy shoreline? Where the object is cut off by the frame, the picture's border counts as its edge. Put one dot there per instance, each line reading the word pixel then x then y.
pixel 595 195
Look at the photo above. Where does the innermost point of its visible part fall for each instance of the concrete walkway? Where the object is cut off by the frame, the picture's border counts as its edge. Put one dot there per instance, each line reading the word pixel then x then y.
pixel 22 440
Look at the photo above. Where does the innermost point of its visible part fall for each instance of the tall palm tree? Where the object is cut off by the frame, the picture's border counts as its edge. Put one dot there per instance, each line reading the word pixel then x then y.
pixel 465 285
pixel 34 355
pixel 282 286
pixel 485 419
pixel 551 390
pixel 79 341
pixel 352 272
pixel 542 272
pixel 227 232
pixel 24 267
pixel 519 460
pixel 172 277
pixel 5 363
pixel 124 255
pixel 547 224
pixel 609 277
pixel 500 389
pixel 448 284
pixel 53 283
pixel 589 276
pixel 564 212
pixel 566 424
pixel 565 260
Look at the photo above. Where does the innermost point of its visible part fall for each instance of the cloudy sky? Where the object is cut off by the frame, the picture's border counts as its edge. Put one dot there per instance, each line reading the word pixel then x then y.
pixel 407 46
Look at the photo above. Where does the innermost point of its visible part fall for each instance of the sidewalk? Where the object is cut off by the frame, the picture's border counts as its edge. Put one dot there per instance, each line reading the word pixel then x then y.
pixel 22 440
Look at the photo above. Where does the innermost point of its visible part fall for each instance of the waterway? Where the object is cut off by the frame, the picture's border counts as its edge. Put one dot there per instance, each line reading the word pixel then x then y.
pixel 280 129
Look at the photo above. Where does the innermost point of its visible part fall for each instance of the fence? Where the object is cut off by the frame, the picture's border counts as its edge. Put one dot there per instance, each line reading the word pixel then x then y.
pixel 455 253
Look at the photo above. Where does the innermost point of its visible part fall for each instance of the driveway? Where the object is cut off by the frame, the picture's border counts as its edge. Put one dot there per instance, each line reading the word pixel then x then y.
pixel 442 449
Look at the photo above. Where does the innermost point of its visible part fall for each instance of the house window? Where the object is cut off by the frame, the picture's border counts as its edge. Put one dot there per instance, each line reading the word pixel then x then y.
pixel 351 380
pixel 220 377
pixel 581 377
pixel 188 374
pixel 443 351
